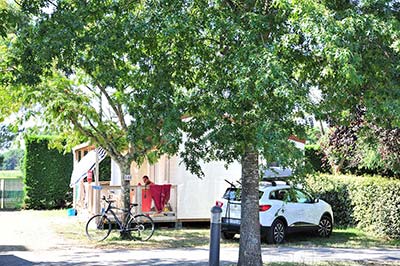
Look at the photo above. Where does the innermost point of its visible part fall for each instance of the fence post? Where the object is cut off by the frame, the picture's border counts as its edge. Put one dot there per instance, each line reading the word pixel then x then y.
pixel 2 188
pixel 215 234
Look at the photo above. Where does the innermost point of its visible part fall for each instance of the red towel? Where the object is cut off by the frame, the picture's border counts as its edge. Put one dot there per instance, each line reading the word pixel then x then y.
pixel 160 195
pixel 165 194
pixel 146 200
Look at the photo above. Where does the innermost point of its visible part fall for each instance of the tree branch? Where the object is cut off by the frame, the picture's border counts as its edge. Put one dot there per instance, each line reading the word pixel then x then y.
pixel 116 108
pixel 52 3
pixel 113 149
pixel 107 146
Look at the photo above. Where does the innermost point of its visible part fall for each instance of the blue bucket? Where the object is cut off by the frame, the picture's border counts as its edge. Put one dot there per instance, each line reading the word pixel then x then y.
pixel 71 212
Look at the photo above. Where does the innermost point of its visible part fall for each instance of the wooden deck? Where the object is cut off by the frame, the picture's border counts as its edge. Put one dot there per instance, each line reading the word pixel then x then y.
pixel 88 207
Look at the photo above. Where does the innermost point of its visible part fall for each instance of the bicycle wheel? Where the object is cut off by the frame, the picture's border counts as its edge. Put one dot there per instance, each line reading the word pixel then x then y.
pixel 98 227
pixel 142 227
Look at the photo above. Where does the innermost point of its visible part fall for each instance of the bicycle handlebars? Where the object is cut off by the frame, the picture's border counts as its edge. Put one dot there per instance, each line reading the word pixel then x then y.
pixel 111 201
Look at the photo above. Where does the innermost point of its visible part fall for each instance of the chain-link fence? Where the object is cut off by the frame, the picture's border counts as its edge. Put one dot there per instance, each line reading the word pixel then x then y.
pixel 11 193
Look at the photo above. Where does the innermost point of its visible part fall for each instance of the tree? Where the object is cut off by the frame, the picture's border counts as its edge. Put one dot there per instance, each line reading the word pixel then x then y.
pixel 258 64
pixel 13 159
pixel 239 71
pixel 94 71
pixel 360 87
pixel 9 101
pixel 360 65
pixel 250 96
pixel 364 148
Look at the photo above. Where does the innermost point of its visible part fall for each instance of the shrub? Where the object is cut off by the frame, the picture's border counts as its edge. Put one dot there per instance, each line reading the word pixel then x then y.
pixel 13 159
pixel 336 192
pixel 377 205
pixel 371 203
pixel 47 175
pixel 315 157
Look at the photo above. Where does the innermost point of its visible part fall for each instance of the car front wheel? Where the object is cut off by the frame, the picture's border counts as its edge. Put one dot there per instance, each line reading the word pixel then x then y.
pixel 277 233
pixel 325 226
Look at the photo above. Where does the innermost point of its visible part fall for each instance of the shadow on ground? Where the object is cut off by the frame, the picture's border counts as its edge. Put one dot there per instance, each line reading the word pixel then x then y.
pixel 11 260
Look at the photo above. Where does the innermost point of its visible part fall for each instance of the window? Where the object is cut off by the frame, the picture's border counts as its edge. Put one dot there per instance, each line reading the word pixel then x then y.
pixel 235 194
pixel 302 197
pixel 281 194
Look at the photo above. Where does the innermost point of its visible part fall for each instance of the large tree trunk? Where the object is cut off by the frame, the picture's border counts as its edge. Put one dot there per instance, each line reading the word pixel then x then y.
pixel 125 192
pixel 250 242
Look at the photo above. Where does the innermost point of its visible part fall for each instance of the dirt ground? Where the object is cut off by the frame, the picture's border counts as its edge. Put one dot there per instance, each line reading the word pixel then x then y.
pixel 32 230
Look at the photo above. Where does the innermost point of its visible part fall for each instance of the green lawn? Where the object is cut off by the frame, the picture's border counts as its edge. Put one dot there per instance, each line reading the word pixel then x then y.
pixel 343 238
pixel 10 174
pixel 199 237
pixel 334 263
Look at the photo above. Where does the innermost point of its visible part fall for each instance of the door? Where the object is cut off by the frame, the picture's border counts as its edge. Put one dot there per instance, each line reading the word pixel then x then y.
pixel 292 210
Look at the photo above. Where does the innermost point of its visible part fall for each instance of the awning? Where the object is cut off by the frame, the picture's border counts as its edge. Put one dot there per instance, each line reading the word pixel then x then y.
pixel 88 162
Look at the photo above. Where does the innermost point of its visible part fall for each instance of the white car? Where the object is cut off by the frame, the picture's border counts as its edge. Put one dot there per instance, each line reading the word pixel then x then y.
pixel 283 209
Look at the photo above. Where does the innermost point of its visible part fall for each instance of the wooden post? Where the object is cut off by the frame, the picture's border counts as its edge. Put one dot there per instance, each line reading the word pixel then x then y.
pixel 96 181
pixel 2 188
pixel 139 198
pixel 90 198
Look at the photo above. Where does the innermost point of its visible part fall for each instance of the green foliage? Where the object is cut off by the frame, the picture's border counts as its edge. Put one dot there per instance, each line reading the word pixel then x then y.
pixel 105 169
pixel 13 159
pixel 315 157
pixel 105 69
pixel 335 191
pixel 6 136
pixel 363 148
pixel 371 203
pixel 313 135
pixel 362 53
pixel 241 70
pixel 376 205
pixel 47 175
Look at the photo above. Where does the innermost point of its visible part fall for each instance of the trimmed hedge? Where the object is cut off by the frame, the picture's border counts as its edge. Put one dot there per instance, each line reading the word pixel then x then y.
pixel 371 203
pixel 47 175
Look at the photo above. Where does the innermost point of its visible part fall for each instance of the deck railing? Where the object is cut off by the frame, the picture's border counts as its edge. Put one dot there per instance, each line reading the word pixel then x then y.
pixel 139 194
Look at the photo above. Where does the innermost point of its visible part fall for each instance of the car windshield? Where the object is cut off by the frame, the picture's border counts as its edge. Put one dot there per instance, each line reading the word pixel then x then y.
pixel 236 193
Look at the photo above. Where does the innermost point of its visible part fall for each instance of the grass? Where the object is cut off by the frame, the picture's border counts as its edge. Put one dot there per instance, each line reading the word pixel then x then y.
pixel 199 237
pixel 333 263
pixel 162 238
pixel 343 238
pixel 10 174
pixel 340 238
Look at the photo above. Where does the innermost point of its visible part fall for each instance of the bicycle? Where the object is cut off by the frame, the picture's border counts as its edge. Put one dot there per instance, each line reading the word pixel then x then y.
pixel 99 226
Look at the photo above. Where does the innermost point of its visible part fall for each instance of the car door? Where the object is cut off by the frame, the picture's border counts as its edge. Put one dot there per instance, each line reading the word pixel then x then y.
pixel 292 210
pixel 306 204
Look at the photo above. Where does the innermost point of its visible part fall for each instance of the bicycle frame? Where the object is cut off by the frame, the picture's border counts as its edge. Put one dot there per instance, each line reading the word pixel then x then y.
pixel 132 222
pixel 122 226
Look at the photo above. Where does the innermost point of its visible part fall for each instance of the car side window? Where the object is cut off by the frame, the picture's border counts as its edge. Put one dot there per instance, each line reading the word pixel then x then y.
pixel 302 197
pixel 280 194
